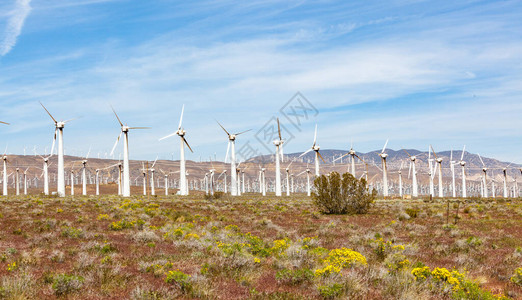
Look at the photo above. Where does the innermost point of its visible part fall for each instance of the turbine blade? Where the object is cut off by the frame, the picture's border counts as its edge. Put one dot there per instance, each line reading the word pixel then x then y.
pixel 223 128
pixel 167 136
pixel 186 143
pixel 385 144
pixel 54 141
pixel 153 164
pixel 481 160
pixel 406 152
pixel 228 150
pixel 243 132
pixel 67 121
pixel 451 155
pixel 4 123
pixel 409 170
pixel 434 153
pixel 89 152
pixel 463 150
pixel 181 117
pixel 140 128
pixel 119 121
pixel 304 153
pixel 282 153
pixel 321 156
pixel 116 144
pixel 279 129
pixel 48 113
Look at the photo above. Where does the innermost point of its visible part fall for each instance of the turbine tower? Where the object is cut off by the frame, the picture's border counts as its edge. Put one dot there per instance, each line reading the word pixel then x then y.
pixel 126 169
pixel 439 164
pixel 484 178
pixel 400 178
pixel 413 171
pixel 61 168
pixel 463 166
pixel 318 155
pixel 4 158
pixel 183 187
pixel 431 172
pixel 504 171
pixel 383 156
pixel 452 167
pixel 232 147
pixel 279 152
pixel 84 173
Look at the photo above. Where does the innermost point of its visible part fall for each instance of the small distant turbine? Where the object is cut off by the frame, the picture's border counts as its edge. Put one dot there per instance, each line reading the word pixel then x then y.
pixel 439 164
pixel 412 170
pixel 484 178
pixel 318 155
pixel 383 156
pixel 504 172
pixel 463 167
pixel 233 170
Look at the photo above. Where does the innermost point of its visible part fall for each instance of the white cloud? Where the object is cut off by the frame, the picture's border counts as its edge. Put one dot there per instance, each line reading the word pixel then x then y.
pixel 14 25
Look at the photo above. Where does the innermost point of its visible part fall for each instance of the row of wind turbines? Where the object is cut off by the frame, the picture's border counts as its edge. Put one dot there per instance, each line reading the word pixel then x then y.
pixel 434 165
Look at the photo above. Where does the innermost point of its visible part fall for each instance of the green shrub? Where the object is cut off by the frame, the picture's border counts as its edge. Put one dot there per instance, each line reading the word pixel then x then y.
pixel 336 195
pixel 295 277
pixel 179 279
pixel 331 291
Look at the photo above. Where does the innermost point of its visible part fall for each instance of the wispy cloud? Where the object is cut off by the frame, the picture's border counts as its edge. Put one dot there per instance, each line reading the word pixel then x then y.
pixel 14 25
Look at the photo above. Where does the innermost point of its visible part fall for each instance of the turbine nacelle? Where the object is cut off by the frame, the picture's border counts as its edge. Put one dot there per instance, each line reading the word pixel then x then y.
pixel 60 125
pixel 413 158
pixel 316 148
pixel 352 152
pixel 181 132
pixel 125 128
pixel 462 163
pixel 484 170
pixel 278 142
pixel 232 137
pixel 439 160
pixel 383 155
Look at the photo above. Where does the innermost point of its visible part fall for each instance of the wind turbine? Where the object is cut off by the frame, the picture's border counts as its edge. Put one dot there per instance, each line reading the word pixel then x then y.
pixel 126 169
pixel 439 163
pixel 504 171
pixel 463 166
pixel 431 172
pixel 383 156
pixel 452 166
pixel 413 171
pixel 400 179
pixel 183 190
pixel 484 178
pixel 233 170
pixel 4 181
pixel 25 181
pixel 61 168
pixel 84 173
pixel 279 151
pixel 318 155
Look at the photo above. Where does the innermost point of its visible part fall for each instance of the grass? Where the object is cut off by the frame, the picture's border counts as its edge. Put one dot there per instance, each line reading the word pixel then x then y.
pixel 257 248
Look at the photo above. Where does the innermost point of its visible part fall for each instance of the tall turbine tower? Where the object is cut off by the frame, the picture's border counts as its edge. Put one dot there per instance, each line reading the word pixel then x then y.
pixel 484 178
pixel 61 169
pixel 318 155
pixel 84 173
pixel 383 156
pixel 504 172
pixel 126 169
pixel 4 158
pixel 400 178
pixel 232 147
pixel 279 152
pixel 183 187
pixel 415 188
pixel 463 166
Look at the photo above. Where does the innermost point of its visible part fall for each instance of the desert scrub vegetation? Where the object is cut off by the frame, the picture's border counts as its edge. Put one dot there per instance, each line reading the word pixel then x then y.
pixel 336 194
pixel 253 247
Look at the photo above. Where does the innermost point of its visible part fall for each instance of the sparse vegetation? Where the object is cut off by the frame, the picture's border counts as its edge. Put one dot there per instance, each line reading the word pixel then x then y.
pixel 257 248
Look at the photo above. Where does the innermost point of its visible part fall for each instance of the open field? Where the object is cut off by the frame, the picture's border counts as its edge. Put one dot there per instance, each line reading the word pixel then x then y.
pixel 252 247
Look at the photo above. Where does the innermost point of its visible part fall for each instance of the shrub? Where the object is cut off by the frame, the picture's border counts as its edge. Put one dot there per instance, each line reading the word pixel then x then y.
pixel 336 195
pixel 64 284
pixel 295 277
pixel 331 291
pixel 517 277
pixel 339 259
pixel 179 279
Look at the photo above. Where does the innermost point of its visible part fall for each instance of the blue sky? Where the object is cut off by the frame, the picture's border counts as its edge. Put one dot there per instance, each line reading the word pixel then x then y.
pixel 417 72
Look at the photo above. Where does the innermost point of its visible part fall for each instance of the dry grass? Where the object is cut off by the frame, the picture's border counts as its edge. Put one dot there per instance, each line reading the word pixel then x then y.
pixel 249 247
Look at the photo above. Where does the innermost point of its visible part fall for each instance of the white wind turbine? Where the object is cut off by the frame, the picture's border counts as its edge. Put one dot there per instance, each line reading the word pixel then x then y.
pixel 439 164
pixel 279 152
pixel 25 181
pixel 126 169
pixel 463 167
pixel 452 167
pixel 353 155
pixel 504 171
pixel 431 172
pixel 400 178
pixel 4 181
pixel 383 156
pixel 233 170
pixel 152 184
pixel 484 178
pixel 61 167
pixel 183 187
pixel 46 170
pixel 318 155
pixel 84 173
pixel 412 170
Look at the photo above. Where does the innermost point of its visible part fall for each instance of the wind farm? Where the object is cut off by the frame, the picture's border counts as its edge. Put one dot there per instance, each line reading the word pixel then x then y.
pixel 260 150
